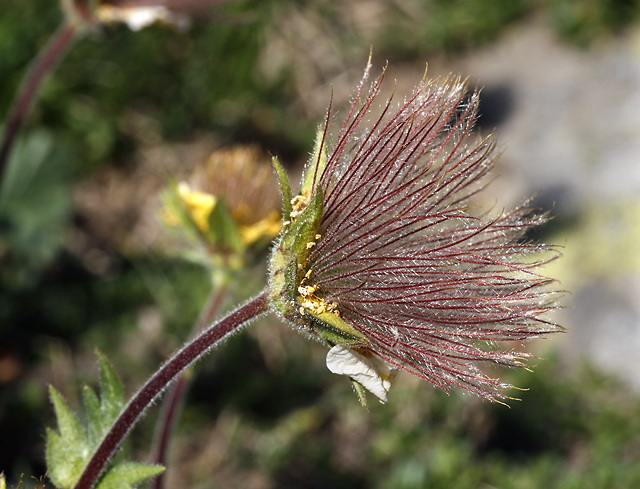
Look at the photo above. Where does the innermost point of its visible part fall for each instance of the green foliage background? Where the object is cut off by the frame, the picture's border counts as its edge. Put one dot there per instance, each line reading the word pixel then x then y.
pixel 263 411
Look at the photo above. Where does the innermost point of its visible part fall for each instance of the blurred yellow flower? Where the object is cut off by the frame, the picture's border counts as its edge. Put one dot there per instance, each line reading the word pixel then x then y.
pixel 265 228
pixel 229 204
pixel 199 205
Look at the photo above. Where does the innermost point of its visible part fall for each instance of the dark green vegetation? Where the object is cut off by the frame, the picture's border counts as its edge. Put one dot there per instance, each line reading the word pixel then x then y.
pixel 260 411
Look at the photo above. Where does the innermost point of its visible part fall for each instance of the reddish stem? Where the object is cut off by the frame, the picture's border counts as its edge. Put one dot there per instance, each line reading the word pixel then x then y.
pixel 43 64
pixel 170 411
pixel 173 402
pixel 160 380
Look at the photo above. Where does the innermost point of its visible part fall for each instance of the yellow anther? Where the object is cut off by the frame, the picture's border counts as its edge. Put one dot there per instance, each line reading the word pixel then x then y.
pixel 307 290
pixel 298 204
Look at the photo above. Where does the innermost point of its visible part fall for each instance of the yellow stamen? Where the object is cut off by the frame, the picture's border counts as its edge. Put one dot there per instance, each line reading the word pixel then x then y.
pixel 298 204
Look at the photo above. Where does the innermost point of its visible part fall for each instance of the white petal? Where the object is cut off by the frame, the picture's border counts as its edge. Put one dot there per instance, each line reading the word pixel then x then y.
pixel 373 373
pixel 138 18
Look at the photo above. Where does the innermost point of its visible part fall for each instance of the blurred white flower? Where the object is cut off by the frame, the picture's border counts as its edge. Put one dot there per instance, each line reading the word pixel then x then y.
pixel 139 17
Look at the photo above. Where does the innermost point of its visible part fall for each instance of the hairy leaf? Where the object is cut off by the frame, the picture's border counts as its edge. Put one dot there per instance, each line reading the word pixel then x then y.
pixel 127 474
pixel 72 446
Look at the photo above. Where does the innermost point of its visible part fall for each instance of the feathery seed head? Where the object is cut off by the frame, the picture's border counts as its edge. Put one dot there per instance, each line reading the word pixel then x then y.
pixel 385 258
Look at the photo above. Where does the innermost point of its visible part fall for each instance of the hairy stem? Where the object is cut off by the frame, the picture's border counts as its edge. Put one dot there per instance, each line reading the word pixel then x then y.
pixel 171 406
pixel 42 65
pixel 160 381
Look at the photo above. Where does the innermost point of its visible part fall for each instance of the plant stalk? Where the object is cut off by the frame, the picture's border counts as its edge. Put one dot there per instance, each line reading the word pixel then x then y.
pixel 173 402
pixel 160 381
pixel 45 62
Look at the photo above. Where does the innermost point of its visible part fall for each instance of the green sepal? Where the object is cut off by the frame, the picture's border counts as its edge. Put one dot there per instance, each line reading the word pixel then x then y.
pixel 291 252
pixel 303 230
pixel 335 330
pixel 291 279
pixel 316 164
pixel 360 392
pixel 285 188
pixel 125 475
pixel 223 230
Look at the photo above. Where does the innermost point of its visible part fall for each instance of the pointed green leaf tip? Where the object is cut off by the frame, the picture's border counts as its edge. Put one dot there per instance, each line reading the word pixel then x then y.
pixel 127 474
pixel 111 388
pixel 70 449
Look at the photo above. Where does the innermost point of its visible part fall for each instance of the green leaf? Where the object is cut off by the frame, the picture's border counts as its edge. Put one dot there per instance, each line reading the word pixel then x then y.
pixel 95 426
pixel 125 475
pixel 70 449
pixel 65 460
pixel 111 388
pixel 35 207
pixel 68 424
pixel 285 187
